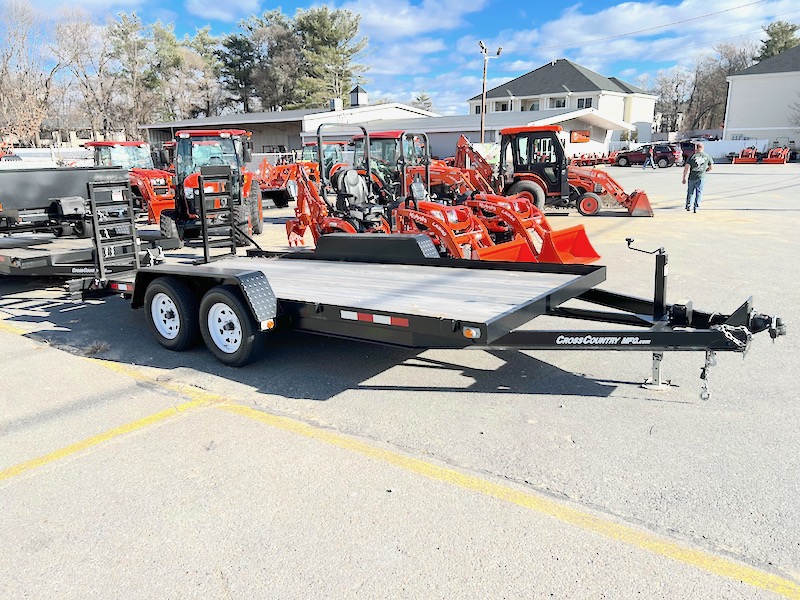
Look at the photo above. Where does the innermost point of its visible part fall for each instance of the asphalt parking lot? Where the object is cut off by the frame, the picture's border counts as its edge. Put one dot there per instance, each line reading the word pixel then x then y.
pixel 331 468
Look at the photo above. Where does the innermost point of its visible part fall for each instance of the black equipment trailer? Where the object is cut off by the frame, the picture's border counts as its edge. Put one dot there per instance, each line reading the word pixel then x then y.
pixel 395 289
pixel 51 198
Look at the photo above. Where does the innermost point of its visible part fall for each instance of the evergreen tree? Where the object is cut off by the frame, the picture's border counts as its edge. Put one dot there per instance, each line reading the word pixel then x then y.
pixel 780 36
pixel 237 59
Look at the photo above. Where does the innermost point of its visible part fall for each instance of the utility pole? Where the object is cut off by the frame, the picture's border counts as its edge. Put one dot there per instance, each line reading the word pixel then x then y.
pixel 486 58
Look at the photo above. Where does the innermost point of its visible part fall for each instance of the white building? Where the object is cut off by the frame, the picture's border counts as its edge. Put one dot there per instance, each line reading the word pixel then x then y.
pixel 760 100
pixel 561 85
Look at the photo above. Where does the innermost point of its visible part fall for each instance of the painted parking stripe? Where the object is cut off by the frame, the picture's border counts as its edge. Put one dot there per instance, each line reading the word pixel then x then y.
pixel 705 561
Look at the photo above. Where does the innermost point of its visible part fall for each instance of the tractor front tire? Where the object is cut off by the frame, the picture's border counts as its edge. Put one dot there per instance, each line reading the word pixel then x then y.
pixel 589 204
pixel 243 222
pixel 531 189
pixel 254 198
pixel 168 228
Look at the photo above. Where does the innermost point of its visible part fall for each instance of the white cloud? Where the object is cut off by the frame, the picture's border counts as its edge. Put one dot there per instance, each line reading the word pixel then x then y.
pixel 392 19
pixel 227 11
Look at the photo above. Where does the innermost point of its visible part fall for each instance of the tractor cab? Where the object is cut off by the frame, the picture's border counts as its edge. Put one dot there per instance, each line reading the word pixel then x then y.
pixel 332 154
pixel 534 155
pixel 390 152
pixel 128 155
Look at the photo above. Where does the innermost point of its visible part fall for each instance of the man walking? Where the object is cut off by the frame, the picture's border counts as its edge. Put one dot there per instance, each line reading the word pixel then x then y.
pixel 696 167
pixel 649 158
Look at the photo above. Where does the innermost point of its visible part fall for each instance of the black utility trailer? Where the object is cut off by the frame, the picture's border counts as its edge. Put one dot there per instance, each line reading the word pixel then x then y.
pixel 51 198
pixel 395 289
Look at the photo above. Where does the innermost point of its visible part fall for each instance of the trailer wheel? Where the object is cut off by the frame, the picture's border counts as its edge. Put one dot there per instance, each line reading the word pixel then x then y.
pixel 243 219
pixel 254 198
pixel 227 326
pixel 589 204
pixel 531 189
pixel 171 313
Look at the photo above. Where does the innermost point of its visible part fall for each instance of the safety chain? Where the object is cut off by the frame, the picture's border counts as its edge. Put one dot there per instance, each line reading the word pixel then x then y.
pixel 711 361
pixel 727 331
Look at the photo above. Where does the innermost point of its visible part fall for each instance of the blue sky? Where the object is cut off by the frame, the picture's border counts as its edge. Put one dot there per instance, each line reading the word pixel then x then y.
pixel 432 45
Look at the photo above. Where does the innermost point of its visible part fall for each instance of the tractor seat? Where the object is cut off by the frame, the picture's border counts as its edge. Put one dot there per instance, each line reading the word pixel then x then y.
pixel 354 186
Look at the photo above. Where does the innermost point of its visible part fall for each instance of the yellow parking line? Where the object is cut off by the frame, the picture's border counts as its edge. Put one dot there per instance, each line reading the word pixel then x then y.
pixel 98 439
pixel 540 504
pixel 9 328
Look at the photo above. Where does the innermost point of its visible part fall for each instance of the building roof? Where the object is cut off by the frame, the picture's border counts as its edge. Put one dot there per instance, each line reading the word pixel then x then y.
pixel 286 116
pixel 496 120
pixel 358 90
pixel 558 77
pixel 787 61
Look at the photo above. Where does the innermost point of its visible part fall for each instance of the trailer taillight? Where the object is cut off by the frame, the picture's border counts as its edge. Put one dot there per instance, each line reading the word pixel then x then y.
pixel 471 333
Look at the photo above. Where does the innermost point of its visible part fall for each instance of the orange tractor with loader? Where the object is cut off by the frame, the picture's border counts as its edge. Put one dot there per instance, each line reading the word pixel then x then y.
pixel 533 163
pixel 477 226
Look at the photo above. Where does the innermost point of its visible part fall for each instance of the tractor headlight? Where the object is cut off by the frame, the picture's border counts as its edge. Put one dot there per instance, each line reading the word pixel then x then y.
pixel 159 181
pixel 189 193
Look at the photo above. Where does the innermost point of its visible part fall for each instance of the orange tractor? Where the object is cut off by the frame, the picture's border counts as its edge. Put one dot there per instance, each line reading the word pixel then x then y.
pixel 212 147
pixel 777 156
pixel 533 163
pixel 748 156
pixel 478 226
pixel 151 188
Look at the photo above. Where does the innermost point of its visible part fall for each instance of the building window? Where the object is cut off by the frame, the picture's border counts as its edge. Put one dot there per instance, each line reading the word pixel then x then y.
pixel 584 103
pixel 558 102
pixel 501 106
pixel 478 109
pixel 534 105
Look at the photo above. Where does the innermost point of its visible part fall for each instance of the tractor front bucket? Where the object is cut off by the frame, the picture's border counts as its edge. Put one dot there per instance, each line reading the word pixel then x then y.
pixel 570 246
pixel 639 204
pixel 516 250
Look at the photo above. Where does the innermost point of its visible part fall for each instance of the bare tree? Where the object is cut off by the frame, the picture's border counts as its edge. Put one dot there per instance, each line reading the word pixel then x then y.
pixel 794 115
pixel 672 88
pixel 27 74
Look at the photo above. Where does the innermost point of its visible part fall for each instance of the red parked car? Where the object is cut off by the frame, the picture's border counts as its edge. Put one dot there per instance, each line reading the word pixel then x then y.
pixel 665 155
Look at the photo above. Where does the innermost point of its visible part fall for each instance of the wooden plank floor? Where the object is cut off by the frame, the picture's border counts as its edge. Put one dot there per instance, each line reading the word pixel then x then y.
pixel 468 294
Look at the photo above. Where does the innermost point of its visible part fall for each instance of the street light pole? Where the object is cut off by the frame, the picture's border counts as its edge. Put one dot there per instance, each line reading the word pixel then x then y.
pixel 486 58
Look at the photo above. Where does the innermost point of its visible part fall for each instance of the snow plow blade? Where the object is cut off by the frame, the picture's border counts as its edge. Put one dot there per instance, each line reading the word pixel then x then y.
pixel 570 246
pixel 639 204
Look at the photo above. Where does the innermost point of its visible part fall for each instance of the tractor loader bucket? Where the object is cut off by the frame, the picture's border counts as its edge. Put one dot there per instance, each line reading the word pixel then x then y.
pixel 517 250
pixel 570 246
pixel 639 204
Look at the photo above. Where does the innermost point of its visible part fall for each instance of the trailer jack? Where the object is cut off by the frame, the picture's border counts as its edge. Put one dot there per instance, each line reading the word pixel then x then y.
pixel 711 361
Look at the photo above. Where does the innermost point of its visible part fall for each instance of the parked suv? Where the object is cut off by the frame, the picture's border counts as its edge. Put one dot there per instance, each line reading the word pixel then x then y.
pixel 665 155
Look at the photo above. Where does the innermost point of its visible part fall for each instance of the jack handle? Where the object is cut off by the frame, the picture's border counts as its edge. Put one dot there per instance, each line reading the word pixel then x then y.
pixel 657 251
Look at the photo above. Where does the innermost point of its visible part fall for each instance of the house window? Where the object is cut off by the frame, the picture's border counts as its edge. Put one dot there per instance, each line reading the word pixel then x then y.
pixel 558 102
pixel 478 109
pixel 584 103
pixel 534 105
pixel 501 106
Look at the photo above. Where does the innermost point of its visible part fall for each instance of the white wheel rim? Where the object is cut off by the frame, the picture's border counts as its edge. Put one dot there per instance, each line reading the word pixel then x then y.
pixel 224 328
pixel 164 314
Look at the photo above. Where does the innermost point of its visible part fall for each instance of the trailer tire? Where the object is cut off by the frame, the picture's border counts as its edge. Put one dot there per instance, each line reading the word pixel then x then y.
pixel 172 313
pixel 622 161
pixel 589 204
pixel 227 325
pixel 243 221
pixel 530 188
pixel 255 201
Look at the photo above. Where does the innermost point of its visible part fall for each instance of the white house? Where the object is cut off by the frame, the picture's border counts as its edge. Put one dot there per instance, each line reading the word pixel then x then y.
pixel 562 84
pixel 760 100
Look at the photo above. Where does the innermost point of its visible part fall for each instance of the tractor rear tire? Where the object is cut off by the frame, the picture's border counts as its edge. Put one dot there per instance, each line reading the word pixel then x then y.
pixel 588 204
pixel 623 162
pixel 530 188
pixel 227 325
pixel 254 198
pixel 172 311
